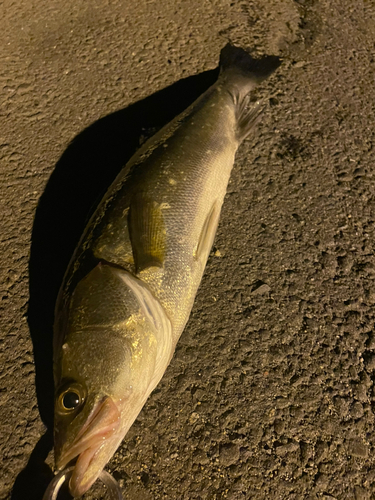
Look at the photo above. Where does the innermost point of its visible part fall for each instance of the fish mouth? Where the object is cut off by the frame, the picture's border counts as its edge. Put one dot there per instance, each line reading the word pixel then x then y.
pixel 89 446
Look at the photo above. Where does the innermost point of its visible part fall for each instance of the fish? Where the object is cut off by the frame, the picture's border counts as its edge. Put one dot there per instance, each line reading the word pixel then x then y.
pixel 130 286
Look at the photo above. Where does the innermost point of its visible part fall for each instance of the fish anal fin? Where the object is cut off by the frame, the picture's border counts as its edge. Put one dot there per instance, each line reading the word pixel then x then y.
pixel 247 117
pixel 207 236
pixel 147 232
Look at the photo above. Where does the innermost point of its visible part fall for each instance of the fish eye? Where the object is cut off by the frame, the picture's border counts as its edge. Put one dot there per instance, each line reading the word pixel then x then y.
pixel 71 398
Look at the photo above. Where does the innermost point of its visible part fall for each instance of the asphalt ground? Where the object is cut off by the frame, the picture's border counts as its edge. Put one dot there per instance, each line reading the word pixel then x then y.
pixel 270 393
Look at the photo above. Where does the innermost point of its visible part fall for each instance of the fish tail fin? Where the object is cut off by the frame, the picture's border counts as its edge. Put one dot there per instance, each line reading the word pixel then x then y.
pixel 239 68
pixel 240 73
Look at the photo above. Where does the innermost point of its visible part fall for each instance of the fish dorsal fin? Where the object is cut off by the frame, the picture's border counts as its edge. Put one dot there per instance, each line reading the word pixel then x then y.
pixel 208 232
pixel 155 314
pixel 147 232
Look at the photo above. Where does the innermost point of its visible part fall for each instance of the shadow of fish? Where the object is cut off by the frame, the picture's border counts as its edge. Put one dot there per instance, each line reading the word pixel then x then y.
pixel 117 323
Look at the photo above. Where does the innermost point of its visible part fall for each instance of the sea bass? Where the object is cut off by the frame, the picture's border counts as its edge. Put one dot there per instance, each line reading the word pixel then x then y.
pixel 131 284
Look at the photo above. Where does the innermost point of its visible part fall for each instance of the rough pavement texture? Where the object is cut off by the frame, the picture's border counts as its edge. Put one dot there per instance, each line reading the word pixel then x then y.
pixel 270 394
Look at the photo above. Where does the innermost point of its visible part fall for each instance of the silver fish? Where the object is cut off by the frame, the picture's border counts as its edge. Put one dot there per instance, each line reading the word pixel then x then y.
pixel 131 284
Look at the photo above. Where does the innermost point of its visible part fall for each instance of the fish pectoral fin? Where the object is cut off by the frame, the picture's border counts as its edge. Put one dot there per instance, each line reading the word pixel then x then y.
pixel 147 232
pixel 156 315
pixel 149 304
pixel 207 236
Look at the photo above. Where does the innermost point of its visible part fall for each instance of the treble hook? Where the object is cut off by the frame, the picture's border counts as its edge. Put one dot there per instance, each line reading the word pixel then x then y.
pixel 54 486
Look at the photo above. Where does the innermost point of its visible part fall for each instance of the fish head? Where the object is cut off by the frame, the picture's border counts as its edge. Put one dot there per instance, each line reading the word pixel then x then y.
pixel 93 405
pixel 104 372
pixel 90 438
